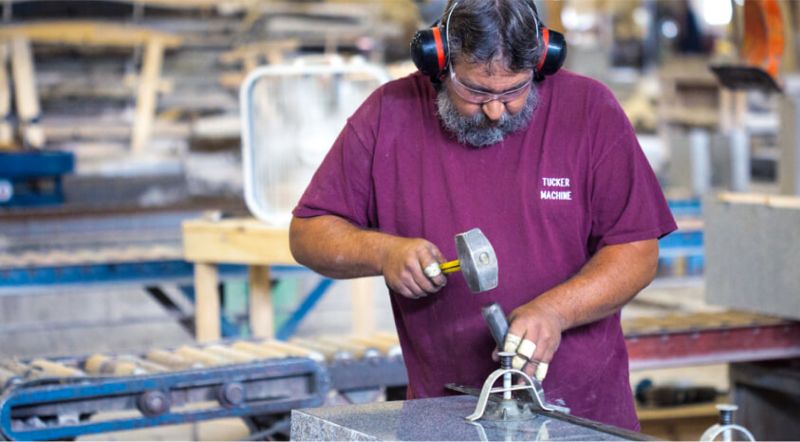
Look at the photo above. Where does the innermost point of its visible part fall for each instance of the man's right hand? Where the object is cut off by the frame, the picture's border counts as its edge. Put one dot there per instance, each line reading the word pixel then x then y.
pixel 403 267
pixel 334 247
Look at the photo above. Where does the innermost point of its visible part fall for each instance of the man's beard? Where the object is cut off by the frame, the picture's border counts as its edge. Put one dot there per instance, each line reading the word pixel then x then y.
pixel 478 131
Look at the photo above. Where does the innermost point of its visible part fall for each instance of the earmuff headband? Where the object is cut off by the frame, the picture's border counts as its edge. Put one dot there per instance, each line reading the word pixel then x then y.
pixel 430 49
pixel 545 42
pixel 440 53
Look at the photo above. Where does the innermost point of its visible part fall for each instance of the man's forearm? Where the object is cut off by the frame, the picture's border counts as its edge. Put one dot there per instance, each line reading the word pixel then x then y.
pixel 335 248
pixel 611 278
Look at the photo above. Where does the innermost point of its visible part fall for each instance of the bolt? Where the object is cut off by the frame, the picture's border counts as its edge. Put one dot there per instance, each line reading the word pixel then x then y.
pixel 484 258
pixel 231 394
pixel 726 413
pixel 505 359
pixel 153 403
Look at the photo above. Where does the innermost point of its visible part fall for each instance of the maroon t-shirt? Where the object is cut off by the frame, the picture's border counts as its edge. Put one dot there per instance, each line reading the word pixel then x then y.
pixel 547 198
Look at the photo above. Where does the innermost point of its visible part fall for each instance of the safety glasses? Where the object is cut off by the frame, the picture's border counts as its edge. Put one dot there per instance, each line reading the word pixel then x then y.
pixel 474 96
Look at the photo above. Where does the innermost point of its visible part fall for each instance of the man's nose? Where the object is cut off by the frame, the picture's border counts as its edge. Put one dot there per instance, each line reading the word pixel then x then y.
pixel 494 109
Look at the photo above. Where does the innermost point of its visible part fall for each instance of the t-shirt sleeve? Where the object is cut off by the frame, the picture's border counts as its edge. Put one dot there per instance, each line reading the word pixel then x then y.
pixel 627 202
pixel 341 185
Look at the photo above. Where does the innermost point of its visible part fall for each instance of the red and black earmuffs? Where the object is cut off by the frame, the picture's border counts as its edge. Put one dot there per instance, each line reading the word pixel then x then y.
pixel 429 50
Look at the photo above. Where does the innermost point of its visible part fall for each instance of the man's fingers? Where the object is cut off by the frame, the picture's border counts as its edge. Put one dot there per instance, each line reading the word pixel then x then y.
pixel 430 266
pixel 423 281
pixel 511 343
pixel 526 349
pixel 435 275
pixel 541 370
pixel 518 362
pixel 436 253
pixel 409 288
pixel 432 270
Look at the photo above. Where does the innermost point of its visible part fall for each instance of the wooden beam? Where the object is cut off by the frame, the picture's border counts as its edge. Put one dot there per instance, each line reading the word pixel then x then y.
pixel 207 319
pixel 27 100
pixel 261 311
pixel 236 241
pixel 147 96
pixel 362 296
pixel 84 32
pixel 180 4
pixel 6 131
pixel 243 52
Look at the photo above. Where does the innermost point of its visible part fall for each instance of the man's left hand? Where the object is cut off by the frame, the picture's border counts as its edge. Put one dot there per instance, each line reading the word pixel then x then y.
pixel 538 327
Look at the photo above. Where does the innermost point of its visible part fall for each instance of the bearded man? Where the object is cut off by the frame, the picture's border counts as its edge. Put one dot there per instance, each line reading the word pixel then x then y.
pixel 547 166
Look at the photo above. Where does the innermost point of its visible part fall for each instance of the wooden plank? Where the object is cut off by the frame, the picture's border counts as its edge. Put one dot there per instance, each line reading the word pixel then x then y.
pixel 184 4
pixel 678 412
pixel 781 201
pixel 147 96
pixel 675 323
pixel 84 32
pixel 207 321
pixel 261 311
pixel 27 100
pixel 362 297
pixel 70 128
pixel 236 241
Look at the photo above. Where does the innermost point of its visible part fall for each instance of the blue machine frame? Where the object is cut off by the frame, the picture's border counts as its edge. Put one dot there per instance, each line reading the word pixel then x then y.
pixel 19 168
pixel 265 387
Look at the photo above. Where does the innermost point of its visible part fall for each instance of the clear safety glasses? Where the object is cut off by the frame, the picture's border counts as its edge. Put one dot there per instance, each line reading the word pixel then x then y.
pixel 482 97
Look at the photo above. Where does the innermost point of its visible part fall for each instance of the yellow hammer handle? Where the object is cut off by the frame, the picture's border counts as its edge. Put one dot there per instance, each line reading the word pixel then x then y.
pixel 451 266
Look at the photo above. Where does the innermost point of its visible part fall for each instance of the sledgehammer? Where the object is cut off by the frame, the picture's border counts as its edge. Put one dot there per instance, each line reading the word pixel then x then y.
pixel 476 261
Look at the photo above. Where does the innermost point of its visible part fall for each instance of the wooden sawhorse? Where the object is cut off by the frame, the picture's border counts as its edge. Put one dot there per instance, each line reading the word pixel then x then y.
pixel 247 241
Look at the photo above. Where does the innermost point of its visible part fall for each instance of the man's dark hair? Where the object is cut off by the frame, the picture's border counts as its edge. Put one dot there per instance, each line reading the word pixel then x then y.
pixel 483 31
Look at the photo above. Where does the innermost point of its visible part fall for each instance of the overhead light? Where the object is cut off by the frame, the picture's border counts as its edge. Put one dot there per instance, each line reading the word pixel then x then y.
pixel 715 12
pixel 669 29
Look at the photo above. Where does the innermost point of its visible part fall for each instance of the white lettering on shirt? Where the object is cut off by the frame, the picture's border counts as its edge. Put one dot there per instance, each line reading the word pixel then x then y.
pixel 559 193
pixel 555 182
pixel 553 195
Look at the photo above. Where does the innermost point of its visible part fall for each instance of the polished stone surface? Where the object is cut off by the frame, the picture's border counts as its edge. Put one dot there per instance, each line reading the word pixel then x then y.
pixel 428 419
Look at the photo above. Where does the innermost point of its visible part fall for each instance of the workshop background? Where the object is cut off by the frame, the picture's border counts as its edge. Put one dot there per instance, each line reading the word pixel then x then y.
pixel 150 152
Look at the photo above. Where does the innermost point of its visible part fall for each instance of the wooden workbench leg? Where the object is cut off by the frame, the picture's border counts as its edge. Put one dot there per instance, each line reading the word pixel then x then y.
pixel 261 312
pixel 207 319
pixel 363 306
pixel 147 95
pixel 6 131
pixel 27 99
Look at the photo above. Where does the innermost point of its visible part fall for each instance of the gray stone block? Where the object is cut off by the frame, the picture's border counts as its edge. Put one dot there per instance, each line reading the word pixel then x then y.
pixel 430 419
pixel 752 250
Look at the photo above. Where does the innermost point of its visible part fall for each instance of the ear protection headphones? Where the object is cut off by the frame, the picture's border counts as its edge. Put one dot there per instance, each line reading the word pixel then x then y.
pixel 430 49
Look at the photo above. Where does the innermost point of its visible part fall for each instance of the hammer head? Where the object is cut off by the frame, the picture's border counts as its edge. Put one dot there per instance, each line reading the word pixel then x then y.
pixel 478 260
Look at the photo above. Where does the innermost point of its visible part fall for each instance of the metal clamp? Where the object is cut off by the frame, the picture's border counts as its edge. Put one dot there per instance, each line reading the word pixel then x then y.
pixel 726 427
pixel 509 408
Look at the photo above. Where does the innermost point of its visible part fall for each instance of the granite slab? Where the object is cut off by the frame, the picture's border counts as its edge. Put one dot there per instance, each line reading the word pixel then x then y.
pixel 433 419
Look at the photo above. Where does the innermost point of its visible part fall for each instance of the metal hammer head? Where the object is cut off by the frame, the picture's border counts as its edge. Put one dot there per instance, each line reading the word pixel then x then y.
pixel 478 260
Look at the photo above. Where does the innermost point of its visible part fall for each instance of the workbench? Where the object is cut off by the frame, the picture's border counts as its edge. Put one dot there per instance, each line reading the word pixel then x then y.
pixel 209 243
